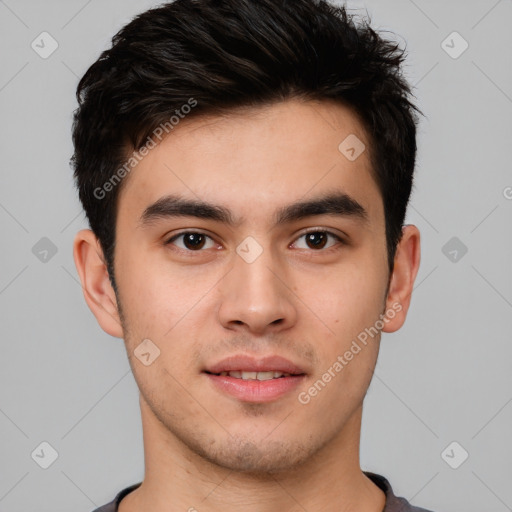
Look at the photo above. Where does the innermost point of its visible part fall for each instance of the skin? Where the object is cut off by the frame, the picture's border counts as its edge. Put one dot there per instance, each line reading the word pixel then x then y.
pixel 203 448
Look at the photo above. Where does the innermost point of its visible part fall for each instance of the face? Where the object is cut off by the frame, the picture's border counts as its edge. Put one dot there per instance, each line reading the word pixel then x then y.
pixel 251 283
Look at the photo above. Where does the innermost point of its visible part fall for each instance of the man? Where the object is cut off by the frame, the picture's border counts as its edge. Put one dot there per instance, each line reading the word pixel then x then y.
pixel 245 166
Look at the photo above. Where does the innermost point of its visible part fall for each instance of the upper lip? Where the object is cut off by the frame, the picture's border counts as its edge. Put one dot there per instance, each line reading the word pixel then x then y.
pixel 272 363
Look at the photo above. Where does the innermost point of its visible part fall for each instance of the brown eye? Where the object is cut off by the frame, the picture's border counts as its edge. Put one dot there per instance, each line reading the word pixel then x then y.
pixel 191 241
pixel 318 240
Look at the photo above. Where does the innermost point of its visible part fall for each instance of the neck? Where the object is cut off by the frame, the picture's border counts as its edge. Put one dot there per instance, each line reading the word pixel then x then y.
pixel 177 478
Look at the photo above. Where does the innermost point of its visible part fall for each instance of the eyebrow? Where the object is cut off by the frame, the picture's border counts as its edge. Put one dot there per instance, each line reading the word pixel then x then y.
pixel 337 204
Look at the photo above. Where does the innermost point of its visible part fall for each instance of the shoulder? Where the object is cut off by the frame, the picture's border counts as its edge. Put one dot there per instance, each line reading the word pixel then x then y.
pixel 114 504
pixel 393 503
pixel 109 507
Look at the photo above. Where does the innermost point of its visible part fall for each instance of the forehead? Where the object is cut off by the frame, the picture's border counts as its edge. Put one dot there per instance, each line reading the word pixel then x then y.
pixel 256 159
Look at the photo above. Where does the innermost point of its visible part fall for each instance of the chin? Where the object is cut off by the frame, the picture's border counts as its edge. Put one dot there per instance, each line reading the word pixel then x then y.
pixel 264 458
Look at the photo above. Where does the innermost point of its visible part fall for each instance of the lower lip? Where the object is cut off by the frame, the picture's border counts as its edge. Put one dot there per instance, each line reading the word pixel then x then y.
pixel 256 390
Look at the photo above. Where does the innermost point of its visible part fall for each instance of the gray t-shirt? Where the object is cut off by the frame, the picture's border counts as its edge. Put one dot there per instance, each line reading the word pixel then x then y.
pixel 393 503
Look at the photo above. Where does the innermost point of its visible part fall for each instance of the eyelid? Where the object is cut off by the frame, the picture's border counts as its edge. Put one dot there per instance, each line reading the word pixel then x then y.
pixel 340 239
pixel 169 240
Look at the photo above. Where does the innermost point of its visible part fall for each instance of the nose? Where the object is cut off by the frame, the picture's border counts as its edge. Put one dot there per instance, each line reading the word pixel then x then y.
pixel 256 297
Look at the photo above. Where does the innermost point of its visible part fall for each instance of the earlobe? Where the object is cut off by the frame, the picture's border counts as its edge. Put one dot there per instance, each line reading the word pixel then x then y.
pixel 98 291
pixel 406 265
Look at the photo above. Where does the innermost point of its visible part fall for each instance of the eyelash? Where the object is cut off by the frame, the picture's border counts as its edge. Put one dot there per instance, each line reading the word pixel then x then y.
pixel 329 233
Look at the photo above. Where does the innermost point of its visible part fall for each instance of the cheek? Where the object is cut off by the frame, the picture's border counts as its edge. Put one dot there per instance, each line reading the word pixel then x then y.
pixel 344 300
pixel 157 294
pixel 349 303
pixel 169 308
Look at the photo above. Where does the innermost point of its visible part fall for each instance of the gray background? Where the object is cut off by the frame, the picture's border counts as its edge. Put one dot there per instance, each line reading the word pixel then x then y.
pixel 444 377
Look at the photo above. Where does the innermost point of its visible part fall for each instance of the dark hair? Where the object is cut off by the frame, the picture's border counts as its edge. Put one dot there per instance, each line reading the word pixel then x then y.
pixel 226 54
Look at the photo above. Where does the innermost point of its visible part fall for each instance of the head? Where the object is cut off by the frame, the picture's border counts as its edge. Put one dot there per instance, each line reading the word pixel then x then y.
pixel 211 131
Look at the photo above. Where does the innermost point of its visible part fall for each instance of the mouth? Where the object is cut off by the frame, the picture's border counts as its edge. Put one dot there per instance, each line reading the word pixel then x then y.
pixel 248 379
pixel 248 375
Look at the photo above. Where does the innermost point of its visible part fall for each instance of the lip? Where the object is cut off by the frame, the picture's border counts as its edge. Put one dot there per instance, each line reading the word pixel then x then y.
pixel 255 391
pixel 248 363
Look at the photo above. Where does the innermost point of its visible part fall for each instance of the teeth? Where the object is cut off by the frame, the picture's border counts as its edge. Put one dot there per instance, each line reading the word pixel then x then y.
pixel 254 375
pixel 265 375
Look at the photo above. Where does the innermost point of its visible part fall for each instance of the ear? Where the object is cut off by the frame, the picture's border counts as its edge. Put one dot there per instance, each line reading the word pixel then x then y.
pixel 98 291
pixel 406 265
